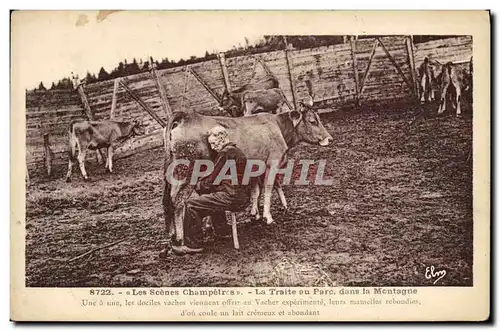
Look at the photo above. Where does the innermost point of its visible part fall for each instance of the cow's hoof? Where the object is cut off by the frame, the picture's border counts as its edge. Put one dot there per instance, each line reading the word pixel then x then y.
pixel 164 253
pixel 86 179
pixel 68 180
pixel 269 221
pixel 255 214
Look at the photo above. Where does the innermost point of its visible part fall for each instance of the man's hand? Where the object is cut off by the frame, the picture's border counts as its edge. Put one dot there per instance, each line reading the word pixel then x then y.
pixel 203 187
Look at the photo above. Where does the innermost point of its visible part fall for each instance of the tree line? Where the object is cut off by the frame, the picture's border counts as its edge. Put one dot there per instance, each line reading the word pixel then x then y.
pixel 266 44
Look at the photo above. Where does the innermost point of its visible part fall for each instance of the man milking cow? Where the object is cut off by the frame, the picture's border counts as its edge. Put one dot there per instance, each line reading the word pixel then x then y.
pixel 217 193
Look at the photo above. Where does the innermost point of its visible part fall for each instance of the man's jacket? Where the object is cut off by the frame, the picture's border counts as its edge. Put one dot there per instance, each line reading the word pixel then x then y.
pixel 228 152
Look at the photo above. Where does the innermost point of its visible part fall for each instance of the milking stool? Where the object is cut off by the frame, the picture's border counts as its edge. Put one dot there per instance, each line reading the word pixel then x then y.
pixel 234 227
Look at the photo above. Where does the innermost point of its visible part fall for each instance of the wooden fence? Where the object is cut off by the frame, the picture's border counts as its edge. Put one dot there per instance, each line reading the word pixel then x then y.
pixel 358 71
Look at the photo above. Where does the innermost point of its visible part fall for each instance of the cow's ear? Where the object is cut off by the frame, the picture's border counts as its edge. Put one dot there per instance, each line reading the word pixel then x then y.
pixel 295 116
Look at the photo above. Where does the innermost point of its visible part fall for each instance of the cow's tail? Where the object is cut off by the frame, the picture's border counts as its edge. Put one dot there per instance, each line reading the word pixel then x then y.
pixel 447 67
pixel 168 205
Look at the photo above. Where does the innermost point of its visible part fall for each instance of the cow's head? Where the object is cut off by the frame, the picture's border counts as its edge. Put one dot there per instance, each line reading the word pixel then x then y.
pixel 138 128
pixel 308 126
pixel 230 104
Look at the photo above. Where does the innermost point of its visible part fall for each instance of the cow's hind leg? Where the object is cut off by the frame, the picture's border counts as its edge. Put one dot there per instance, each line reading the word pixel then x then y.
pixel 442 99
pixel 70 169
pixel 266 214
pixel 281 194
pixel 458 98
pixel 255 200
pixel 71 158
pixel 268 186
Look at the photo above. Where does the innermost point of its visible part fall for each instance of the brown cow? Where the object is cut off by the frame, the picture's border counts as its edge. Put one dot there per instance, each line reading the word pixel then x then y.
pixel 231 102
pixel 262 101
pixel 426 81
pixel 452 81
pixel 264 137
pixel 93 135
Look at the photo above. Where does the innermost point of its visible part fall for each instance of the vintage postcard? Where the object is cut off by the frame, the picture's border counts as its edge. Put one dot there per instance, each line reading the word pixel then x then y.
pixel 250 165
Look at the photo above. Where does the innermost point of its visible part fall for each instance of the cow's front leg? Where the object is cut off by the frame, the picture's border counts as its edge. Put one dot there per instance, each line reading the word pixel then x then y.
pixel 109 160
pixel 266 214
pixel 81 163
pixel 281 194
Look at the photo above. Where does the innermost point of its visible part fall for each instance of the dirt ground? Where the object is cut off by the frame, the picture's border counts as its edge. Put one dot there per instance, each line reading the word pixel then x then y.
pixel 401 201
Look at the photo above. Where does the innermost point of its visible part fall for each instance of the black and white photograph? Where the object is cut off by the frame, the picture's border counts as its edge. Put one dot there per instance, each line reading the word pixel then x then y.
pixel 230 158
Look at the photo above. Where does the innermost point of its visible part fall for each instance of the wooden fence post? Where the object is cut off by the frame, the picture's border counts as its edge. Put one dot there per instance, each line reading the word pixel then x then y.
pixel 204 84
pixel 142 104
pixel 355 69
pixel 88 111
pixel 289 66
pixel 223 67
pixel 49 155
pixel 398 69
pixel 161 89
pixel 114 98
pixel 85 102
pixel 186 82
pixel 27 176
pixel 411 62
pixel 367 71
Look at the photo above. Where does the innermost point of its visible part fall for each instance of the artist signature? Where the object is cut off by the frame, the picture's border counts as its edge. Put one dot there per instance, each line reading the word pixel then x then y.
pixel 432 273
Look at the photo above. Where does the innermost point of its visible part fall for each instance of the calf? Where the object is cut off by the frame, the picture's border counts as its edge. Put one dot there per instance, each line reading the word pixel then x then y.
pixel 94 135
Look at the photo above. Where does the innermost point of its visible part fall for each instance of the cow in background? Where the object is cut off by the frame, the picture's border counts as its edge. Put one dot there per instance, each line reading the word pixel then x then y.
pixel 452 83
pixel 262 101
pixel 232 102
pixel 426 81
pixel 94 135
